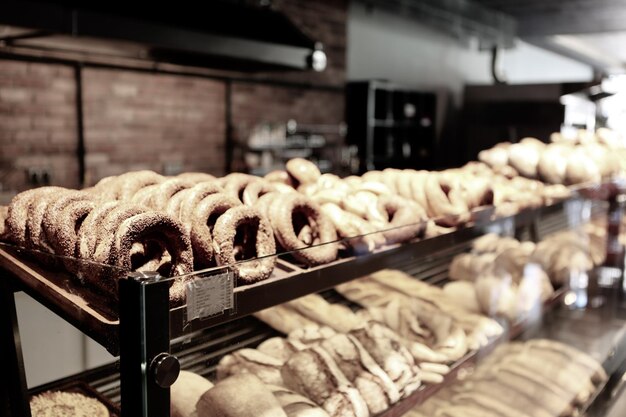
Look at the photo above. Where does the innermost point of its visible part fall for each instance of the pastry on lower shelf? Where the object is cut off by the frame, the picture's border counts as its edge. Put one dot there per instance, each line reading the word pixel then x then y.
pixel 295 405
pixel 314 374
pixel 266 368
pixel 186 392
pixel 280 347
pixel 376 387
pixel 66 404
pixel 242 395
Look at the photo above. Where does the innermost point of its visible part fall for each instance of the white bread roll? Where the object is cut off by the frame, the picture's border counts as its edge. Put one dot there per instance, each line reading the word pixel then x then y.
pixel 186 392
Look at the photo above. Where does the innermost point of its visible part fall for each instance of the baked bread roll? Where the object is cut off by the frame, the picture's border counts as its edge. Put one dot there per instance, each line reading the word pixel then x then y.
pixel 266 368
pixel 281 348
pixel 295 405
pixel 284 319
pixel 314 374
pixel 186 392
pixel 524 158
pixel 359 367
pixel 242 395
pixel 66 404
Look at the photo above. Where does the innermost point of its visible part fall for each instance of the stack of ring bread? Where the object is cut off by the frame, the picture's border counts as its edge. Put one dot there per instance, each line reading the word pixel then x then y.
pixel 174 225
pixel 537 378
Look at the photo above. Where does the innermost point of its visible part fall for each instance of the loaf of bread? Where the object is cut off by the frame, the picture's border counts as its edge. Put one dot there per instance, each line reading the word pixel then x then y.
pixel 242 395
pixel 186 392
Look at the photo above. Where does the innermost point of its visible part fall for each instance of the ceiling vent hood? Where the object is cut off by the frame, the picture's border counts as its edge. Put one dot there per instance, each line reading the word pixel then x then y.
pixel 229 35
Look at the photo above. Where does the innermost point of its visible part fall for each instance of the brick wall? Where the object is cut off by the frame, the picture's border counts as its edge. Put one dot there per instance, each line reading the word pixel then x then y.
pixel 151 121
pixel 37 123
pixel 135 120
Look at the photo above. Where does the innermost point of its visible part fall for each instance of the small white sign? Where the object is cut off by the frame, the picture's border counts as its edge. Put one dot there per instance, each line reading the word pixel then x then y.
pixel 208 296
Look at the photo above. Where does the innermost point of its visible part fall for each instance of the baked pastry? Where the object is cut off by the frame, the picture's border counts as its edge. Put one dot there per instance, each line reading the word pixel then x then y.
pixel 242 395
pixel 295 405
pixel 376 387
pixel 314 374
pixel 316 308
pixel 280 348
pixel 302 172
pixel 266 368
pixel 445 200
pixel 186 392
pixel 405 219
pixel 66 404
pixel 524 158
pixel 284 319
pixel 235 183
pixel 196 177
pixel 243 238
pixel 205 215
pixel 298 224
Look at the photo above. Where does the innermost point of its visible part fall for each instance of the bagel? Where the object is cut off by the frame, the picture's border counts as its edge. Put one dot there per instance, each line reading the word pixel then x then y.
pixel 302 171
pixel 234 184
pixel 280 177
pixel 298 224
pixel 524 158
pixel 17 215
pixel 88 234
pixel 445 201
pixel 204 218
pixel 61 226
pixel 358 233
pixel 405 220
pixel 243 238
pixel 35 234
pixel 131 182
pixel 256 189
pixel 183 203
pixel 166 190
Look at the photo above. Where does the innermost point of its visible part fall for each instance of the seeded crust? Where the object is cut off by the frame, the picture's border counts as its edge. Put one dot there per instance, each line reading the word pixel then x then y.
pixel 59 224
pixel 204 217
pixel 193 196
pixel 36 236
pixel 282 212
pixel 17 217
pixel 66 404
pixel 131 182
pixel 405 218
pixel 224 234
pixel 89 233
pixel 256 189
pixel 234 184
pixel 166 190
pixel 4 214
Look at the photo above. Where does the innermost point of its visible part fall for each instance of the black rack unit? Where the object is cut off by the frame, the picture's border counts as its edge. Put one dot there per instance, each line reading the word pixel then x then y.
pixel 391 126
pixel 147 345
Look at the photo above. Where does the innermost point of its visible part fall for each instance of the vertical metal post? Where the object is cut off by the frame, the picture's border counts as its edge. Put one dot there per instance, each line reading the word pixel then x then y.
pixel 147 369
pixel 80 126
pixel 14 398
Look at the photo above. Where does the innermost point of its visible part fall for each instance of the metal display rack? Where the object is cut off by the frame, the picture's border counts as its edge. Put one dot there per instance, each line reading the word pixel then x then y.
pixel 154 341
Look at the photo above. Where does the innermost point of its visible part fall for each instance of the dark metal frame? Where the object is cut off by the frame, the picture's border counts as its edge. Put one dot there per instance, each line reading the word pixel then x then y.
pixel 14 399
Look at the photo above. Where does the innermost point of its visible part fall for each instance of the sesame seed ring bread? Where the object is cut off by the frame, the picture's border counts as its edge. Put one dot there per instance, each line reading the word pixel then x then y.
pixel 167 190
pixel 279 176
pixel 256 189
pixel 445 200
pixel 191 197
pixel 107 228
pixel 234 184
pixel 154 241
pixel 358 232
pixel 17 216
pixel 131 182
pixel 405 218
pixel 89 232
pixel 299 223
pixel 63 237
pixel 61 226
pixel 143 197
pixel 418 188
pixel 302 171
pixel 243 234
pixel 36 236
pixel 204 218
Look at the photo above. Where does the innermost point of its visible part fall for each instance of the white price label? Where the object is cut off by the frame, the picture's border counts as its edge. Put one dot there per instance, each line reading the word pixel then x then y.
pixel 208 296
